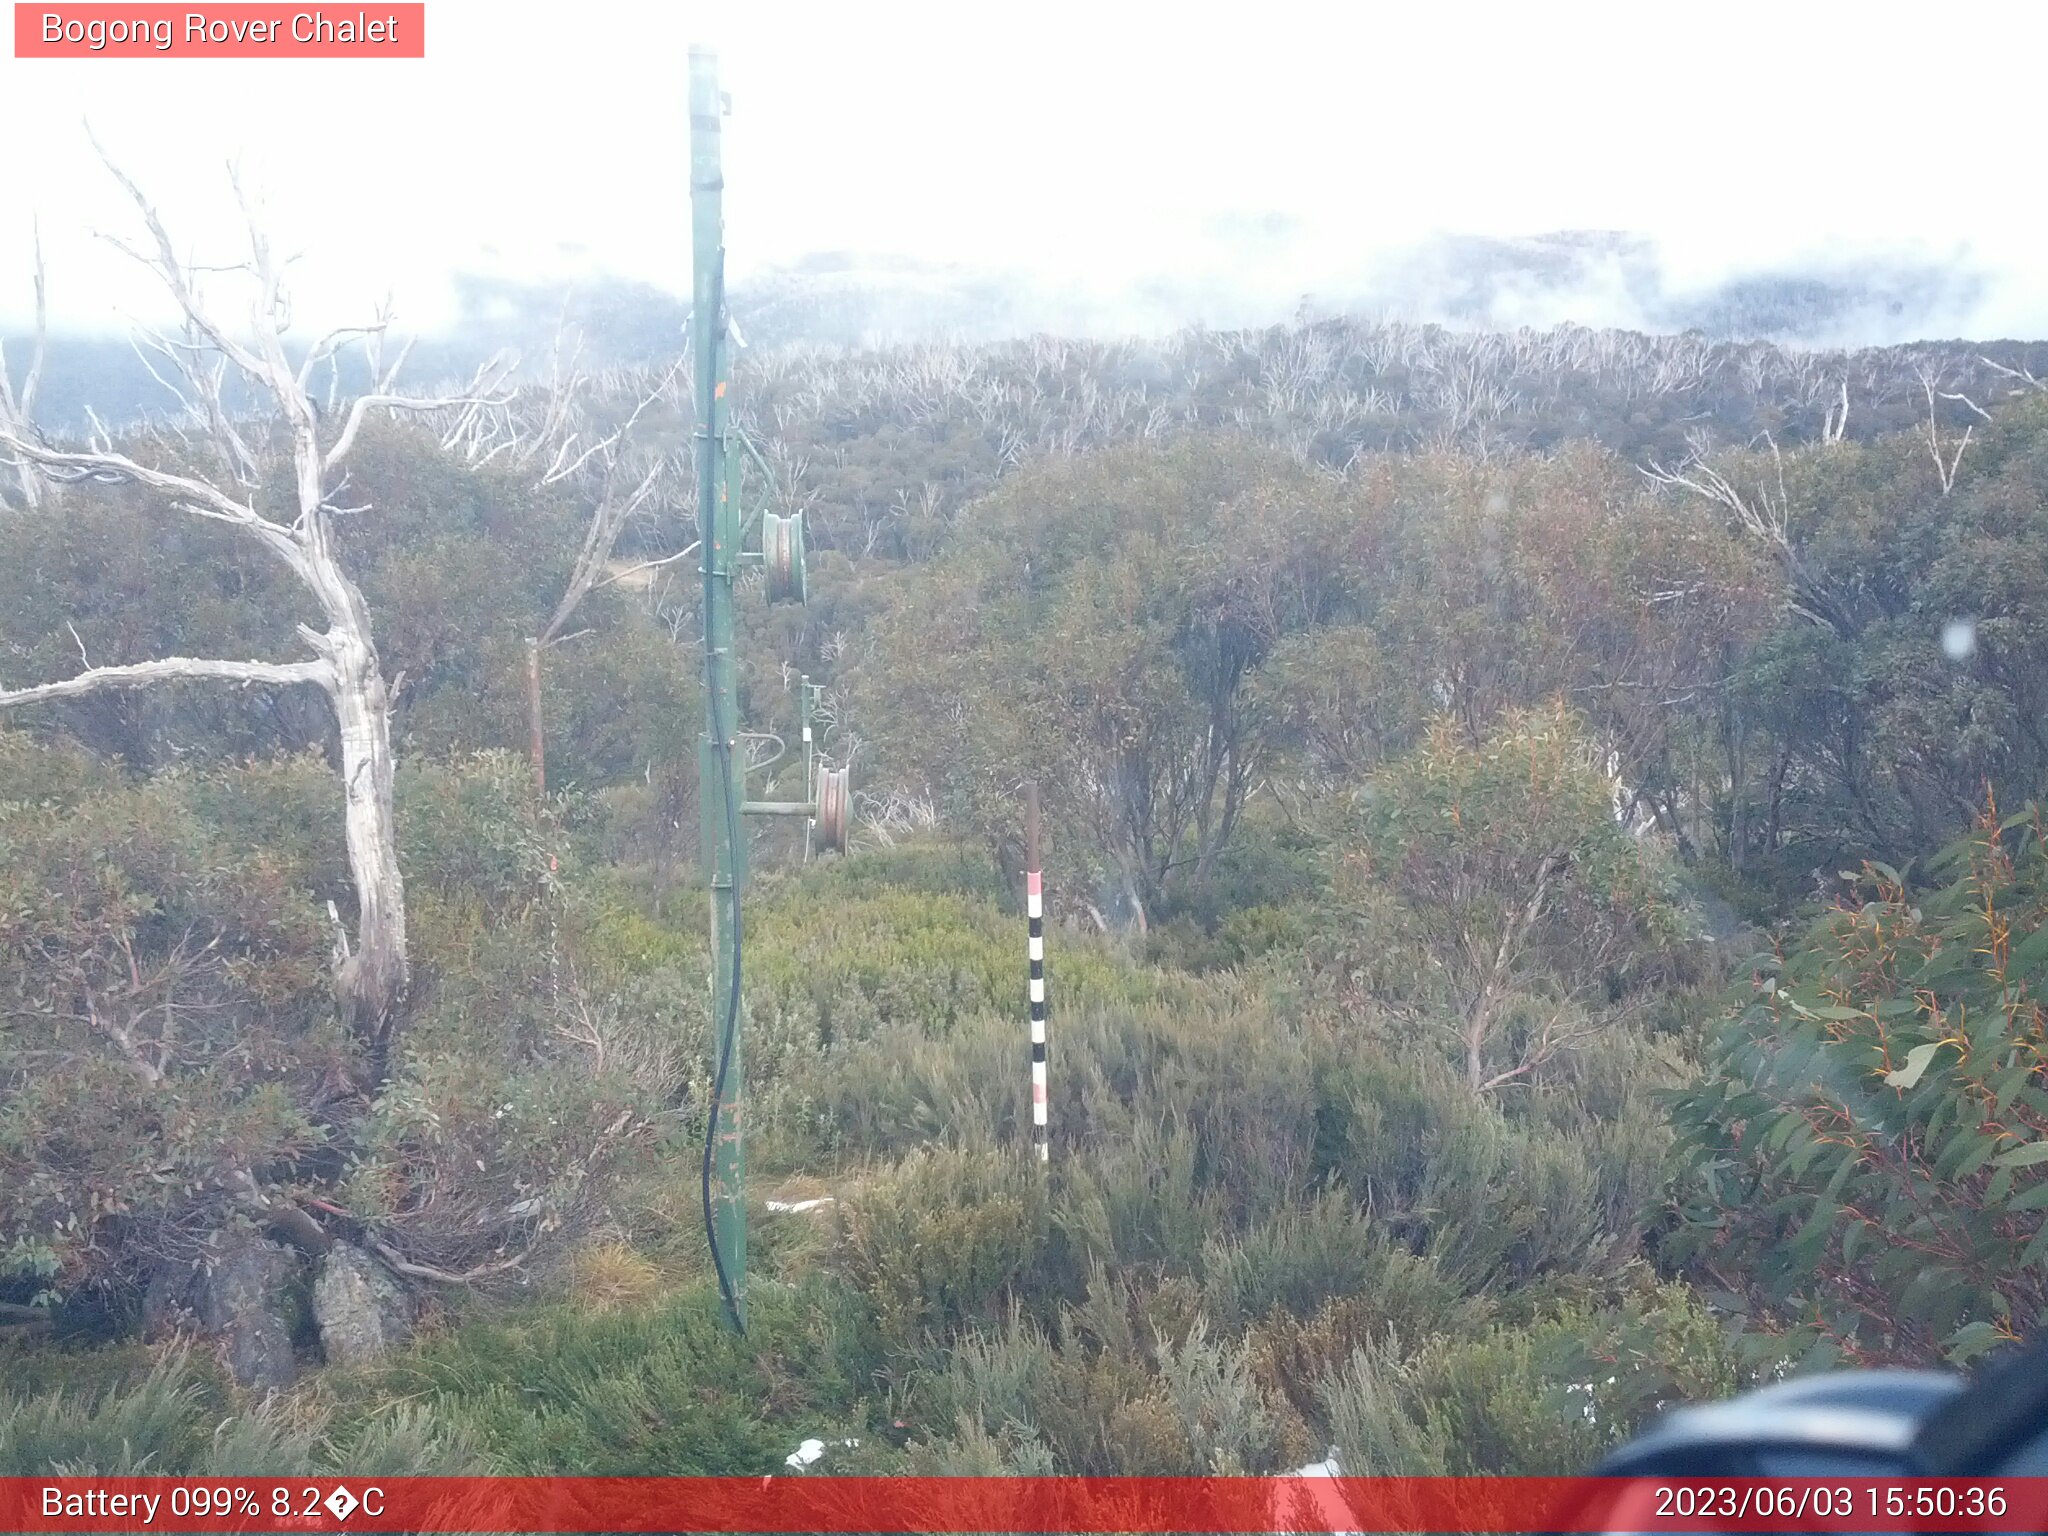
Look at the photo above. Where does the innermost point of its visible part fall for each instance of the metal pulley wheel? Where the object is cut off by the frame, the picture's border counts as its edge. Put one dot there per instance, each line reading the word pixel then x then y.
pixel 782 556
pixel 835 808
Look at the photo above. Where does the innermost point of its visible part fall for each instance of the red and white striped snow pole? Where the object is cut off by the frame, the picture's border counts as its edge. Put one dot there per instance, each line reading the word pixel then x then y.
pixel 1034 912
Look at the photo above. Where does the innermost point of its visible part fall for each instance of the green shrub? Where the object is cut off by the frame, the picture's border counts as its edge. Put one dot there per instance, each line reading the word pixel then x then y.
pixel 54 773
pixel 1555 1396
pixel 663 1391
pixel 1134 1201
pixel 1328 1249
pixel 467 827
pixel 945 1238
pixel 1231 1427
pixel 114 1415
pixel 1368 1403
pixel 1865 1145
pixel 1546 1398
pixel 164 1019
pixel 151 1424
pixel 1495 1194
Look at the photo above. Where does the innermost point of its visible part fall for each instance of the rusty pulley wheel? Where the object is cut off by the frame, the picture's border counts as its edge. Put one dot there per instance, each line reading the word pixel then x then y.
pixel 835 808
pixel 782 555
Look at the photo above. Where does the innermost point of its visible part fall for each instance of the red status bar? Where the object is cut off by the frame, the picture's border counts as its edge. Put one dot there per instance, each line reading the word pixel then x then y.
pixel 884 1505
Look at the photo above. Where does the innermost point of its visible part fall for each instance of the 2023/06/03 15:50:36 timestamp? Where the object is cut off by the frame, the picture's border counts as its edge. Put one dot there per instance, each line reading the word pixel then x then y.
pixel 1821 1502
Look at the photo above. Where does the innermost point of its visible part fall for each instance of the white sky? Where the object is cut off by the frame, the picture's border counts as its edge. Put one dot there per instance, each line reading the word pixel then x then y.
pixel 1093 143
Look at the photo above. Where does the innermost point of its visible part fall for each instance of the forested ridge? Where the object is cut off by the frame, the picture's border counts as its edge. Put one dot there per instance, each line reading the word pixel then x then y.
pixel 1546 917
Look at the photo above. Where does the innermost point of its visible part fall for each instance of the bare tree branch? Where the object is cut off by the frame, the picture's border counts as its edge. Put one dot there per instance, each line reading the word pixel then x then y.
pixel 30 385
pixel 2020 374
pixel 18 409
pixel 1965 400
pixel 288 1218
pixel 332 343
pixel 190 493
pixel 1764 516
pixel 1945 467
pixel 168 669
pixel 560 471
pixel 482 389
pixel 607 521
pixel 646 565
pixel 175 274
pixel 404 1266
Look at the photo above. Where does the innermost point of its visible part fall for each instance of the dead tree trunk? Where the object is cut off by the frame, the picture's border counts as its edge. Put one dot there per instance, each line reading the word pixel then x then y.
pixel 1494 978
pixel 373 979
pixel 536 722
pixel 614 507
pixel 372 975
pixel 18 409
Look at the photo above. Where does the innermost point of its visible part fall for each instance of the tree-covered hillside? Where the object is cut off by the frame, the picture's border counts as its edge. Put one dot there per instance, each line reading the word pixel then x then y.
pixel 1545 915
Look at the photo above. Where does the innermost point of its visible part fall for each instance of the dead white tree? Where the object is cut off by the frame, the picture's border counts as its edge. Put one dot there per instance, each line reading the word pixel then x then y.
pixel 1764 515
pixel 1835 422
pixel 298 531
pixel 2024 379
pixel 18 407
pixel 1945 463
pixel 600 465
pixel 594 569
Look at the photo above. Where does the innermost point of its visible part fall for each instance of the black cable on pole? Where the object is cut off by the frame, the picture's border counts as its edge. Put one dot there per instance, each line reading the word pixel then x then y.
pixel 728 1034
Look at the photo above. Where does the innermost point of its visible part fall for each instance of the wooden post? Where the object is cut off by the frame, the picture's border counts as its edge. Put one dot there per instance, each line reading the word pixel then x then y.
pixel 536 732
pixel 1034 912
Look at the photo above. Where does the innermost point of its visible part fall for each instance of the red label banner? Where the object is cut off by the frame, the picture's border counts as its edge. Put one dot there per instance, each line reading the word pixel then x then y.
pixel 1212 1506
pixel 224 31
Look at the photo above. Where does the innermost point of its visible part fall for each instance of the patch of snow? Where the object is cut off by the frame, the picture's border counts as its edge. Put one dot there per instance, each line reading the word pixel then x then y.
pixel 809 1452
pixel 1590 1410
pixel 1331 1513
pixel 799 1206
